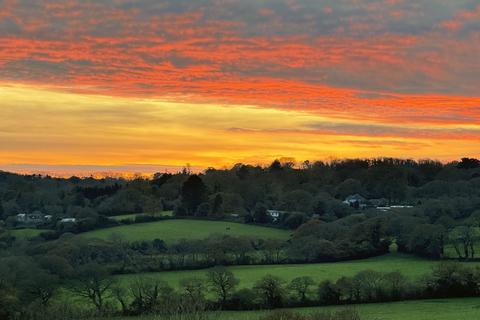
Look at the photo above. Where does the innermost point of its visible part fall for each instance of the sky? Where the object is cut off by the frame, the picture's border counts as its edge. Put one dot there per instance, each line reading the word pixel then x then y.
pixel 150 85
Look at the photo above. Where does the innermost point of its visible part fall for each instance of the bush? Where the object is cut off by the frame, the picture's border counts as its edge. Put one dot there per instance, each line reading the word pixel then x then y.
pixel 284 315
pixel 288 315
pixel 339 315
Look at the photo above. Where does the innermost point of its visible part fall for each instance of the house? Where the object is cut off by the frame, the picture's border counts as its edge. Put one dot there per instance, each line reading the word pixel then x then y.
pixel 356 201
pixel 274 214
pixel 34 219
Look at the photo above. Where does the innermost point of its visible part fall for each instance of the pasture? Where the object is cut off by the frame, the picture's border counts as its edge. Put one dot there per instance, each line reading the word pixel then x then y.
pixel 134 215
pixel 174 230
pixel 412 267
pixel 25 234
pixel 444 309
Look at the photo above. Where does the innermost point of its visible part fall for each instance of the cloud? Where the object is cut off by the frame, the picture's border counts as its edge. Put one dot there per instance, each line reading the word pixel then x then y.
pixel 367 45
pixel 378 69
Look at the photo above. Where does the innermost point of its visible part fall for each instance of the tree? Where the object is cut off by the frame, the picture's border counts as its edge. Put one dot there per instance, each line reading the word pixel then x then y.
pixel 295 220
pixel 148 293
pixel 40 285
pixel 369 284
pixel 297 201
pixel 349 187
pixel 194 192
pixel 239 247
pixel 93 282
pixel 463 239
pixel 217 205
pixel 272 290
pixel 203 209
pixel 300 286
pixel 193 289
pixel 222 283
pixel 272 249
pixel 328 293
pixel 395 284
pixel 276 166
pixel 427 240
pixel 120 294
pixel 260 214
pixel 469 163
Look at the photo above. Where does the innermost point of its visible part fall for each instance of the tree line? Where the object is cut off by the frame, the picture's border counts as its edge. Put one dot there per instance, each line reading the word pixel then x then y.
pixel 29 291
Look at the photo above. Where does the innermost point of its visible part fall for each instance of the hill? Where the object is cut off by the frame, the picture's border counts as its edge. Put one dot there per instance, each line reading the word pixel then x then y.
pixel 173 230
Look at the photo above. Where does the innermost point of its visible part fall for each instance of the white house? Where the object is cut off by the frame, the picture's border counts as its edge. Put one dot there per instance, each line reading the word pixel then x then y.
pixel 35 218
pixel 274 214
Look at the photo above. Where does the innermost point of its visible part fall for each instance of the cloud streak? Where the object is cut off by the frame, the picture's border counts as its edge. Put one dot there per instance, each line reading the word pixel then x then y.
pixel 376 69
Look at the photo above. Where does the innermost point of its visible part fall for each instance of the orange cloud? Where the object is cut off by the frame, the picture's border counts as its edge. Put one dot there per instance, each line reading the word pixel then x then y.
pixel 362 73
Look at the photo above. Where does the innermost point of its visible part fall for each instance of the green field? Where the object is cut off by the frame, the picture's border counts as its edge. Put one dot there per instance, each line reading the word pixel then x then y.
pixel 134 215
pixel 451 253
pixel 173 230
pixel 410 266
pixel 22 234
pixel 445 309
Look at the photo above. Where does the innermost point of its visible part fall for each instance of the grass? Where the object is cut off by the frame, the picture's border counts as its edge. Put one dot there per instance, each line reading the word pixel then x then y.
pixel 451 253
pixel 173 230
pixel 445 309
pixel 25 234
pixel 132 216
pixel 412 267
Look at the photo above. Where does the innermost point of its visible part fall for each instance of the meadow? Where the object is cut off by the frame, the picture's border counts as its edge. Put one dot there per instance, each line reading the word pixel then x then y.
pixel 174 230
pixel 134 215
pixel 410 266
pixel 22 234
pixel 444 309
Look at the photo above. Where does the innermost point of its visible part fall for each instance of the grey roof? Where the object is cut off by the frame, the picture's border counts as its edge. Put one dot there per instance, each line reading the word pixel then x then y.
pixel 355 197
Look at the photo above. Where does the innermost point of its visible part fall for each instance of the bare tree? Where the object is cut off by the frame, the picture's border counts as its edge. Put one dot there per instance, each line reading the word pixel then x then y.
pixel 93 282
pixel 222 282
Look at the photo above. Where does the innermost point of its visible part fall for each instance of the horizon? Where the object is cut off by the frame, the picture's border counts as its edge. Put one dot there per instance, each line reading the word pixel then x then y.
pixel 149 84
pixel 134 171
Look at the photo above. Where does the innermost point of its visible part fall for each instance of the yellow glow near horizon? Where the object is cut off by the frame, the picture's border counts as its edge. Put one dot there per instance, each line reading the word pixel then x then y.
pixel 50 127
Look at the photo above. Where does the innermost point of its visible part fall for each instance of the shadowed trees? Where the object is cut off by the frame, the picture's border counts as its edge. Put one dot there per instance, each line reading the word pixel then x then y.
pixel 193 193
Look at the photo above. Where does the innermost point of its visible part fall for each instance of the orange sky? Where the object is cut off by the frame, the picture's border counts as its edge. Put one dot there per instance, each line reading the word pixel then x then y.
pixel 125 85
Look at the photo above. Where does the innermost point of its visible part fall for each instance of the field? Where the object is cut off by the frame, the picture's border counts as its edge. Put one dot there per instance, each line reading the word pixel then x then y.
pixel 451 253
pixel 173 230
pixel 410 266
pixel 445 309
pixel 133 215
pixel 21 234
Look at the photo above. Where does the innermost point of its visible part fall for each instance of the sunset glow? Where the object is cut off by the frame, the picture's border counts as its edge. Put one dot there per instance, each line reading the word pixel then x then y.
pixel 148 85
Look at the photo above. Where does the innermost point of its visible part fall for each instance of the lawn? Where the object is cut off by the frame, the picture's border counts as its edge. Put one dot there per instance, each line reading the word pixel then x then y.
pixel 410 266
pixel 22 234
pixel 173 230
pixel 133 215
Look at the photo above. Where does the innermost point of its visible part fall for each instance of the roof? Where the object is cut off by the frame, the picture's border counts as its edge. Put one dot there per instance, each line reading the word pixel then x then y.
pixel 355 197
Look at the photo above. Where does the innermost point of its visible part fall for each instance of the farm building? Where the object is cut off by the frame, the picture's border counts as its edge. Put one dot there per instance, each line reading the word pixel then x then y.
pixel 356 201
pixel 274 214
pixel 35 218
